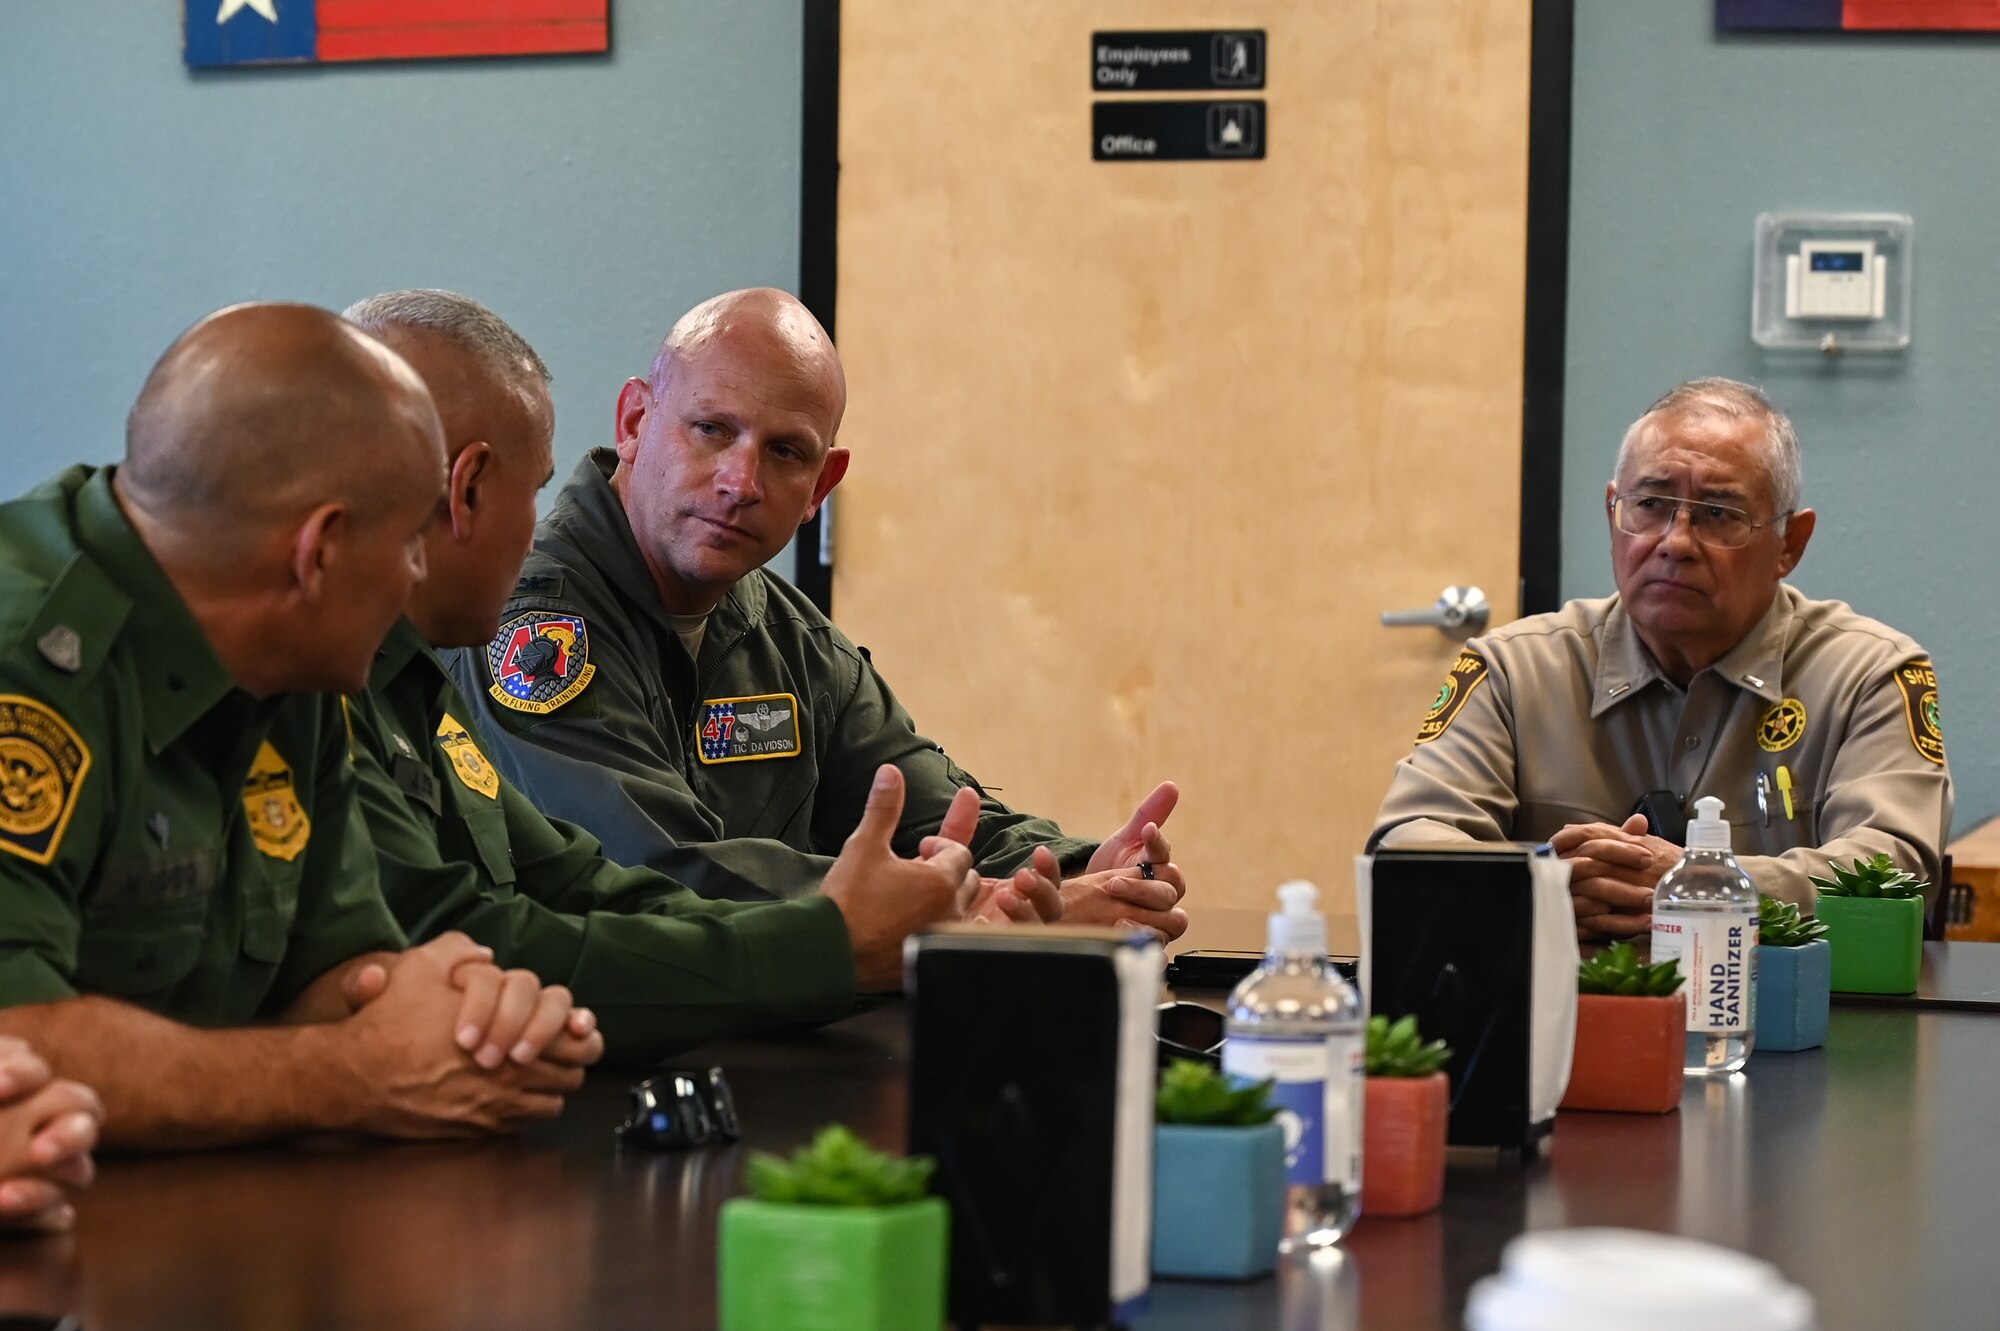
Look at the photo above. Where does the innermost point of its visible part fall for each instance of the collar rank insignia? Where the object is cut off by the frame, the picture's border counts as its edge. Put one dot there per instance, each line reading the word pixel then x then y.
pixel 62 647
pixel 466 759
pixel 278 822
pixel 42 766
pixel 1918 681
pixel 741 730
pixel 539 661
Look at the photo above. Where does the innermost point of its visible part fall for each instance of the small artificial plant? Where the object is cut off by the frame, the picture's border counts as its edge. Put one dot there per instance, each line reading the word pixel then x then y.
pixel 1397 1050
pixel 1877 877
pixel 1617 970
pixel 839 1169
pixel 1779 924
pixel 1194 1094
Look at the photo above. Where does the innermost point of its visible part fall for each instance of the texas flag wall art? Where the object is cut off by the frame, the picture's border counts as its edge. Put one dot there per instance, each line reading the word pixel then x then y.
pixel 1858 15
pixel 267 32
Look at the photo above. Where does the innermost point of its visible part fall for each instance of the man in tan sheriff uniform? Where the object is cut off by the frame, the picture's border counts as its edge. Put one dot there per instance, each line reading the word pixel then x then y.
pixel 1705 675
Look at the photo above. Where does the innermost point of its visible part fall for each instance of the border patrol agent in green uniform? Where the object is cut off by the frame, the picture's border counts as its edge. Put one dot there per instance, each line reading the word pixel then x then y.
pixel 461 848
pixel 651 681
pixel 190 916
pixel 1705 675
pixel 208 871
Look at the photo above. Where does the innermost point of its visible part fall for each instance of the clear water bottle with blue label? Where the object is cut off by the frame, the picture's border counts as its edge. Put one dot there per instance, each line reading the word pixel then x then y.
pixel 1705 916
pixel 1296 1020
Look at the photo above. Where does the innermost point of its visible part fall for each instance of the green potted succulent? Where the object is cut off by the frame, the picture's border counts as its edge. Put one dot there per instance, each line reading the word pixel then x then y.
pixel 1874 914
pixel 1403 1120
pixel 1794 977
pixel 840 1237
pixel 1218 1175
pixel 1631 1034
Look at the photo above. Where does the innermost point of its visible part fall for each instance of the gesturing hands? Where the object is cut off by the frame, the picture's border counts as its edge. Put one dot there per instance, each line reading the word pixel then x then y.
pixel 1132 878
pixel 1613 871
pixel 47 1127
pixel 885 898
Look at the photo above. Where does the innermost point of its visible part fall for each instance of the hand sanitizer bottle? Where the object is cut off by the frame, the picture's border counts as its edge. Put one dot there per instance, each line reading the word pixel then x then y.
pixel 1294 1018
pixel 1705 914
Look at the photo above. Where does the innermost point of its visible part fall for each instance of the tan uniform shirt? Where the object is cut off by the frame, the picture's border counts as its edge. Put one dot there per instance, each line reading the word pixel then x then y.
pixel 1565 718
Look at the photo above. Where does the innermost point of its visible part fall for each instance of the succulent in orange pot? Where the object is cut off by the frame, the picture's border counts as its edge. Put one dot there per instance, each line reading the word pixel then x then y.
pixel 1403 1120
pixel 1631 1034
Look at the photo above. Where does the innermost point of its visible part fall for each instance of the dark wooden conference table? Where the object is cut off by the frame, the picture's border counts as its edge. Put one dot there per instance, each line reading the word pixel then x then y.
pixel 1867 1171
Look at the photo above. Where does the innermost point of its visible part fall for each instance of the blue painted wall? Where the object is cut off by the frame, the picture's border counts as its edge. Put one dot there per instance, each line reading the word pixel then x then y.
pixel 1682 136
pixel 588 200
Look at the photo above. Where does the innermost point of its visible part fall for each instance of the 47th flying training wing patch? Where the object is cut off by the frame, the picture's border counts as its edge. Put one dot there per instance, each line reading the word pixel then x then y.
pixel 539 661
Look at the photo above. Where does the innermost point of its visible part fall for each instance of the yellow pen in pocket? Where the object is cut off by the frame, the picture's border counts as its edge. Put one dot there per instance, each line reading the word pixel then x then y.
pixel 1785 789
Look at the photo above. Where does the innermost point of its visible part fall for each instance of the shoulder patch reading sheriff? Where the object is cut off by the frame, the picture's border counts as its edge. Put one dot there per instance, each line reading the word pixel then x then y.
pixel 1918 681
pixel 42 766
pixel 539 661
pixel 1466 672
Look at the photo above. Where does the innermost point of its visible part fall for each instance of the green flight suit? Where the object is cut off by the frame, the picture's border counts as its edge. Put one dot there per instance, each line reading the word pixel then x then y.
pixel 165 838
pixel 739 773
pixel 460 848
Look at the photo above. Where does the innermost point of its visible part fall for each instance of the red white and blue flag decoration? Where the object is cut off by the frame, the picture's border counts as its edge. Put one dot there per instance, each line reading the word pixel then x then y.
pixel 1859 15
pixel 263 32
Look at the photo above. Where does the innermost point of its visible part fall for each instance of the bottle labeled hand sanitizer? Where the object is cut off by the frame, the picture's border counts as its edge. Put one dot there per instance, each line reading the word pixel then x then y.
pixel 1705 914
pixel 1295 1019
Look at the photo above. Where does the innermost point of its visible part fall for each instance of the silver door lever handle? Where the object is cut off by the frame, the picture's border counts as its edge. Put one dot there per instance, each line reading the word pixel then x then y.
pixel 1458 609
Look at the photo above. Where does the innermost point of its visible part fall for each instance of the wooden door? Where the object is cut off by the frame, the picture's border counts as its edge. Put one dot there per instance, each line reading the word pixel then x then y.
pixel 1143 449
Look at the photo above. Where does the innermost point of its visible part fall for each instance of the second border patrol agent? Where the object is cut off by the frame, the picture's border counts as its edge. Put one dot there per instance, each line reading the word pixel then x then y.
pixel 1817 727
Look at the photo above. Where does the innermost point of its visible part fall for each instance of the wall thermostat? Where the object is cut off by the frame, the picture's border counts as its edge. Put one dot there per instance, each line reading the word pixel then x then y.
pixel 1832 282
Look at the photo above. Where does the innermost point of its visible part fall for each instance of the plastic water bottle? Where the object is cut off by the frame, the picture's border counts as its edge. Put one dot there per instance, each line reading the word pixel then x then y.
pixel 1295 1019
pixel 1705 914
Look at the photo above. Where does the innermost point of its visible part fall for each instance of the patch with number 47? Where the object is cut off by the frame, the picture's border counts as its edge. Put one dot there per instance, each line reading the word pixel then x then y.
pixel 740 730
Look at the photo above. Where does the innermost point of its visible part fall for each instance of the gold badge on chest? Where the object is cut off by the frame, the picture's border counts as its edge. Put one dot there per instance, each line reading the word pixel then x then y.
pixel 1782 725
pixel 278 822
pixel 471 765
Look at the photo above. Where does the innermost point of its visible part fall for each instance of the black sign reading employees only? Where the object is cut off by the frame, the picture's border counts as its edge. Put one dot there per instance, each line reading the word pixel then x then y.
pixel 1193 60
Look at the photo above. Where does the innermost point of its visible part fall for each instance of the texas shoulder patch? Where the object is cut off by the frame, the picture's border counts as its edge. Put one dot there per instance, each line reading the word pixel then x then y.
pixel 466 759
pixel 42 766
pixel 1918 681
pixel 539 661
pixel 278 822
pixel 737 730
pixel 1466 673
pixel 1782 725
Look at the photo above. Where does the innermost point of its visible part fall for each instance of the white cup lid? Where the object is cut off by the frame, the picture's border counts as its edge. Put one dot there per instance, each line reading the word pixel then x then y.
pixel 1590 1279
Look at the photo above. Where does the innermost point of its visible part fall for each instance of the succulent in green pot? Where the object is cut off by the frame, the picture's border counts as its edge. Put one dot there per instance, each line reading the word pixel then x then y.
pixel 1794 977
pixel 840 1236
pixel 1874 913
pixel 1404 1118
pixel 1218 1175
pixel 1617 970
pixel 1871 878
pixel 1631 1034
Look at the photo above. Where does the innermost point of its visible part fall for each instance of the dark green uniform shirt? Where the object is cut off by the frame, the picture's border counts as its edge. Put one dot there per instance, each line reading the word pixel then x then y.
pixel 165 838
pixel 739 773
pixel 460 848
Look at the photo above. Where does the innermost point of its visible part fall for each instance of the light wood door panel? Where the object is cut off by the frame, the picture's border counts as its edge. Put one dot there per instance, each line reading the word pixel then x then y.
pixel 1141 450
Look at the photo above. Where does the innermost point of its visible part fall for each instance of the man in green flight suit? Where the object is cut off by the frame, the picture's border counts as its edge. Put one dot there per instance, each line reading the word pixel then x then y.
pixel 653 682
pixel 190 920
pixel 460 848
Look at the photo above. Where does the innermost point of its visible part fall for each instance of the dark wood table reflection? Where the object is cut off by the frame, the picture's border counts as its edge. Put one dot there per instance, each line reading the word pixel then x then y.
pixel 1866 1171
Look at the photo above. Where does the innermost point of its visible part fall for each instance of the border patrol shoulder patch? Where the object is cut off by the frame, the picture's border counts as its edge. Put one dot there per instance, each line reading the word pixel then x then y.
pixel 42 765
pixel 1918 681
pixel 539 661
pixel 1466 673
